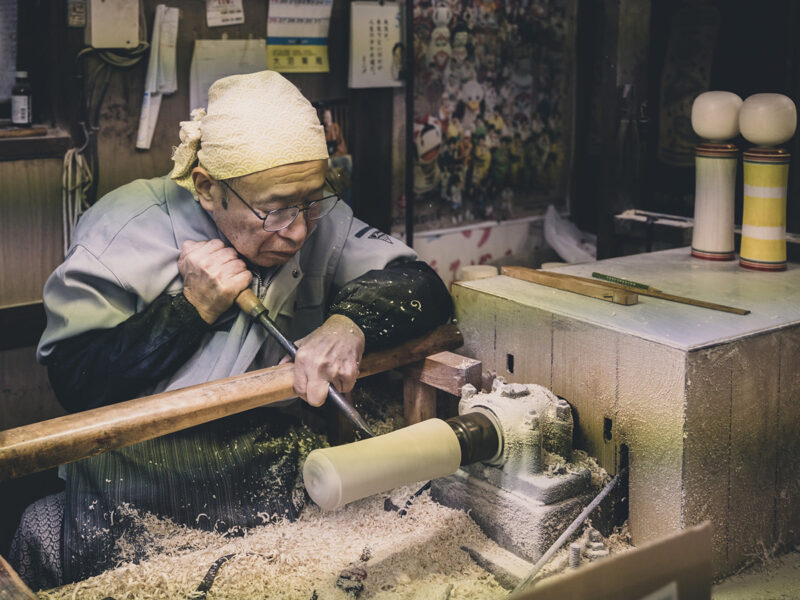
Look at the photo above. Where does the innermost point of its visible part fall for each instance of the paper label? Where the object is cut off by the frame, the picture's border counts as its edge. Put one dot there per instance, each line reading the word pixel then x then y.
pixel 224 12
pixel 376 57
pixel 297 35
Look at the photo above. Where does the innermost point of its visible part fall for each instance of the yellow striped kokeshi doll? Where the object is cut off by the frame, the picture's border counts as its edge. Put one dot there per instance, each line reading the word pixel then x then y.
pixel 767 120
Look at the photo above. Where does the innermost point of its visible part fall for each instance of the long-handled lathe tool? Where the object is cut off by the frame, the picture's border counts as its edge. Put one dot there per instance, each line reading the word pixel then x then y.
pixel 39 446
pixel 571 283
pixel 646 290
pixel 251 305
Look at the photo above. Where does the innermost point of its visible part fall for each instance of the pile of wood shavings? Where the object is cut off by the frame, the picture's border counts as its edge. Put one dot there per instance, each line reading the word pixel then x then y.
pixel 418 556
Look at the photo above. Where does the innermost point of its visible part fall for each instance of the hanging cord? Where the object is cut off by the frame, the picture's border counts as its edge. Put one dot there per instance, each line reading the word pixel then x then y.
pixel 76 179
pixel 80 173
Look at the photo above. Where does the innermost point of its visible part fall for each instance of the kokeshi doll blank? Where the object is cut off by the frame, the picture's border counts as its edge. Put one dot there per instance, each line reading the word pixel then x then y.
pixel 767 120
pixel 341 474
pixel 715 116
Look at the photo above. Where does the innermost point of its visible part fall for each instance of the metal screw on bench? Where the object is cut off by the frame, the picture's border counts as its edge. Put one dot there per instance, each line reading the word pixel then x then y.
pixel 575 555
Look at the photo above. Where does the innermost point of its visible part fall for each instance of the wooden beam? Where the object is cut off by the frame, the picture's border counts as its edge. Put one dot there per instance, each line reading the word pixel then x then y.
pixel 40 446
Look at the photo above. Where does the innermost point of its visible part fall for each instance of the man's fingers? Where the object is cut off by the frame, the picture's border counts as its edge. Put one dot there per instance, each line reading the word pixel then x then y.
pixel 317 392
pixel 300 382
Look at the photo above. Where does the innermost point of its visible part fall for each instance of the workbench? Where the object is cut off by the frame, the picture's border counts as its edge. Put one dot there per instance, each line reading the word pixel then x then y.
pixel 704 404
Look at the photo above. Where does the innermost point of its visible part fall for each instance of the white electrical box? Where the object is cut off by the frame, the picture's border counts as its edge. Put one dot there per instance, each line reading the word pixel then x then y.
pixel 112 23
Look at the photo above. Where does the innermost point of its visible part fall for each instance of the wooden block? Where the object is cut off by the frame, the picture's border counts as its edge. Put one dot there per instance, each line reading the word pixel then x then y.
pixel 576 285
pixel 754 401
pixel 706 462
pixel 419 401
pixel 447 371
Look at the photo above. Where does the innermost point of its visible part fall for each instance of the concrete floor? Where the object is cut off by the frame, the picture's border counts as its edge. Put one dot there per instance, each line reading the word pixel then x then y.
pixel 779 580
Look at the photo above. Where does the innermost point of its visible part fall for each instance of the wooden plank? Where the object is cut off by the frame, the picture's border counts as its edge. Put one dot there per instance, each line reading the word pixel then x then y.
pixel 706 456
pixel 17 132
pixel 754 404
pixel 787 442
pixel 580 348
pixel 574 284
pixel 31 244
pixel 650 420
pixel 419 401
pixel 683 558
pixel 447 371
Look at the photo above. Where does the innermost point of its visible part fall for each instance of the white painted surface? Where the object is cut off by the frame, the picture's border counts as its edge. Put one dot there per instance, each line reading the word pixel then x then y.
pixel 773 298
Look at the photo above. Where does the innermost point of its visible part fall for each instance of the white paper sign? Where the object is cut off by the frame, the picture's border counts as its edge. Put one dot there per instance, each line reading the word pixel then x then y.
pixel 376 57
pixel 224 12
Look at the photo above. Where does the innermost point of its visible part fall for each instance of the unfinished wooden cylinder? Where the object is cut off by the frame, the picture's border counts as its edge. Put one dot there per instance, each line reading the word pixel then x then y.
pixel 336 476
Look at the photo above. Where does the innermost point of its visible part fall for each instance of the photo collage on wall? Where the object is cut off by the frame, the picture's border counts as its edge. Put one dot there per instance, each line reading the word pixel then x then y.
pixel 492 109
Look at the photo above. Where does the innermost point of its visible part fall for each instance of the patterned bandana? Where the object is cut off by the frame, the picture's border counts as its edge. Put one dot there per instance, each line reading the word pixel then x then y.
pixel 254 122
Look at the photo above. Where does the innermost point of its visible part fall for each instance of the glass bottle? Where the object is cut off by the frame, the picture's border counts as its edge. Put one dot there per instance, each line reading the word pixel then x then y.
pixel 21 100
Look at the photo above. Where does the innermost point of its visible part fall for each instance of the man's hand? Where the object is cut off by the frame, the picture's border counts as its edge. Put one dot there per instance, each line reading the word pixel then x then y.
pixel 213 275
pixel 329 354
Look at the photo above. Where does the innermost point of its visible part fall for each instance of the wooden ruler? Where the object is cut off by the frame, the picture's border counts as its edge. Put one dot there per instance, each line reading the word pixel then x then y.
pixel 575 284
pixel 646 290
pixel 580 285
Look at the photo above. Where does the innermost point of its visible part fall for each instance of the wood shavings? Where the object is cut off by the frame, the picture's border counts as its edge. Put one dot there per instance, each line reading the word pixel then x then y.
pixel 414 557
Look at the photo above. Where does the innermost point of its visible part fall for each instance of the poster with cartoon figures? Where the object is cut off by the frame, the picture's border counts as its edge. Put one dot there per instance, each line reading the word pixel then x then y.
pixel 492 108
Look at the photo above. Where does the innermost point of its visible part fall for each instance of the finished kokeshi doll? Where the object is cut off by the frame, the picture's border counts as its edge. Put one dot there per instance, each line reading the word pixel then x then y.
pixel 715 117
pixel 767 120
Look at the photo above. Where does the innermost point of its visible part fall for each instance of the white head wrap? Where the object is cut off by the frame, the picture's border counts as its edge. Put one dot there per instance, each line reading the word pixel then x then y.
pixel 254 122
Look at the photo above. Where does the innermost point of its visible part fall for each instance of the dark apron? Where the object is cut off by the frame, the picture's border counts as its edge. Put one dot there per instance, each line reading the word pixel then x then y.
pixel 234 473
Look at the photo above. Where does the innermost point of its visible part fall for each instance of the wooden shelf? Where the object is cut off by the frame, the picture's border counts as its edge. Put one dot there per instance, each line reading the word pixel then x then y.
pixel 51 145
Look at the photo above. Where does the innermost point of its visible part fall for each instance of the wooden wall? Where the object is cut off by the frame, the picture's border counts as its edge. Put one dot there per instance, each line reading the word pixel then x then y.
pixel 120 162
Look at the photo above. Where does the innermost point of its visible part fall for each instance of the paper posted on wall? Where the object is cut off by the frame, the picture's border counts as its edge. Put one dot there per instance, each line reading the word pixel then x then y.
pixel 224 12
pixel 214 59
pixel 376 53
pixel 161 75
pixel 297 35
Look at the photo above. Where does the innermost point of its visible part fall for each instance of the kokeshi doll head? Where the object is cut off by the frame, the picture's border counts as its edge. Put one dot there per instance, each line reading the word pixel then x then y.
pixel 715 115
pixel 768 119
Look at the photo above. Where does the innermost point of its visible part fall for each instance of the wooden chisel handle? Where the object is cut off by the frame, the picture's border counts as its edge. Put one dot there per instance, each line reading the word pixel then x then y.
pixel 39 446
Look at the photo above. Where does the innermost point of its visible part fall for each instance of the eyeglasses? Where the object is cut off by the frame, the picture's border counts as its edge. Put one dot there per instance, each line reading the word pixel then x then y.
pixel 281 218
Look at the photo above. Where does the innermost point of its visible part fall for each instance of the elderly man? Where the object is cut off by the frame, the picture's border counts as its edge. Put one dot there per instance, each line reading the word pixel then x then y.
pixel 144 303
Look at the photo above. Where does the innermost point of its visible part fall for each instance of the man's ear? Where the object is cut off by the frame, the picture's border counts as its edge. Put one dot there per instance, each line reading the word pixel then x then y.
pixel 203 182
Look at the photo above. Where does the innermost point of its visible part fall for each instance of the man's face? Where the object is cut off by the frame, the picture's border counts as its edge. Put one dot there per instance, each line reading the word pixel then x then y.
pixel 288 185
